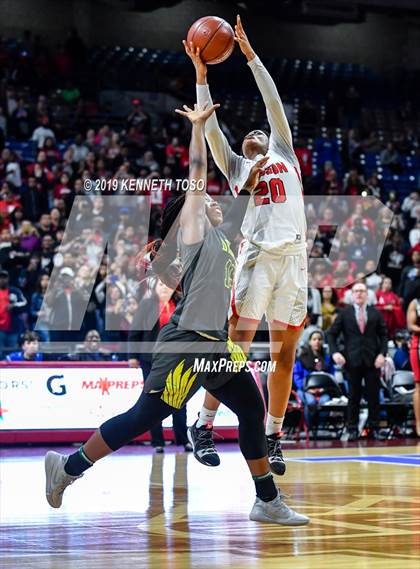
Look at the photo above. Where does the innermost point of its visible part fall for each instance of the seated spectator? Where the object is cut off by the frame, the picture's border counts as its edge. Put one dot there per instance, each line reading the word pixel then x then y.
pixel 389 304
pixel 52 153
pixel 332 186
pixel 312 358
pixel 374 187
pixel 30 350
pixel 328 306
pixel 401 355
pixel 353 183
pixel 90 351
pixel 391 158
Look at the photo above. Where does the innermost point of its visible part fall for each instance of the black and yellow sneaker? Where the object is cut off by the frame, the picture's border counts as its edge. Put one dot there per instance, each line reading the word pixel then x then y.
pixel 201 439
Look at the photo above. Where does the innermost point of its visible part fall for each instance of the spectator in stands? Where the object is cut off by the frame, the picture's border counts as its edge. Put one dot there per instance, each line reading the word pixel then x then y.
pixel 401 355
pixel 374 187
pixel 389 304
pixel 42 132
pixel 312 358
pixel 391 158
pixel 8 203
pixel 38 314
pixel 65 303
pixel 314 307
pixel 393 259
pixel 114 309
pixel 20 121
pixel 30 350
pixel 79 149
pixel 409 207
pixel 90 350
pixel 365 347
pixel 353 183
pixel 414 235
pixel 328 307
pixel 332 186
pixel 373 280
pixel 12 304
pixel 28 236
pixel 410 280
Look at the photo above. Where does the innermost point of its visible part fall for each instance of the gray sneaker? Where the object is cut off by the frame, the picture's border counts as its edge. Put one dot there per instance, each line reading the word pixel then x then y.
pixel 276 512
pixel 57 478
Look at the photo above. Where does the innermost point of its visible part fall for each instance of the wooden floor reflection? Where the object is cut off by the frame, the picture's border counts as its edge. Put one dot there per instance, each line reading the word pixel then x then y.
pixel 136 509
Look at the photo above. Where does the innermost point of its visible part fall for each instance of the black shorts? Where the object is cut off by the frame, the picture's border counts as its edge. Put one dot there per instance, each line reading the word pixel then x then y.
pixel 179 375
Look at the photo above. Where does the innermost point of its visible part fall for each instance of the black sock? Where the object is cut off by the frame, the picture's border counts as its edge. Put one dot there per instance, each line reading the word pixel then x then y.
pixel 77 463
pixel 265 488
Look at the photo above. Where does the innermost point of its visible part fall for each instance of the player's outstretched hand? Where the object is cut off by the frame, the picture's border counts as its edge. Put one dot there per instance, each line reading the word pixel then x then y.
pixel 254 174
pixel 194 54
pixel 243 41
pixel 197 115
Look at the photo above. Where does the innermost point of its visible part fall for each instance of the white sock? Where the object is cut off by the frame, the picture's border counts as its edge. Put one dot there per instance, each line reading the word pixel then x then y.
pixel 273 424
pixel 206 416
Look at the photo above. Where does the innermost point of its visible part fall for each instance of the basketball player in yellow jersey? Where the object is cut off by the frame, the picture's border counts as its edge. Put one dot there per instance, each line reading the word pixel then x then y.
pixel 271 276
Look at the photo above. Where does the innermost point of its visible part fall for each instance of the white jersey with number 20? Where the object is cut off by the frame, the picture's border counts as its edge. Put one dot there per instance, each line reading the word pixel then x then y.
pixel 275 218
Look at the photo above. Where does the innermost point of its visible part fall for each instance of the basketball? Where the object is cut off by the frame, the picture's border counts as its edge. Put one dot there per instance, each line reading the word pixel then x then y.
pixel 215 38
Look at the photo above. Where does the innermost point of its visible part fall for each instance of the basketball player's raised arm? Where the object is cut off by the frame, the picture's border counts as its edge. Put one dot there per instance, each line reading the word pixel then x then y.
pixel 228 162
pixel 193 214
pixel 275 111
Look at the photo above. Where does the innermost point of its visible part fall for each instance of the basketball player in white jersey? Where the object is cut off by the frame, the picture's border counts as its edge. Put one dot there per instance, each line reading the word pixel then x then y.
pixel 271 275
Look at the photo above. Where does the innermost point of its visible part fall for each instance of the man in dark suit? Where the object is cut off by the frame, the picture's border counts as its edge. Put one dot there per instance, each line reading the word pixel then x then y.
pixel 365 341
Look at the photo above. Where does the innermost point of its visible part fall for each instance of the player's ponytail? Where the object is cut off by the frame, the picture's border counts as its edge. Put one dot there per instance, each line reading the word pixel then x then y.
pixel 162 252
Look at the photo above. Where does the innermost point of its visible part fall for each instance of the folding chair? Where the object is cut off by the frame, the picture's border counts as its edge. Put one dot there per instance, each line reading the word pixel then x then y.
pixel 330 415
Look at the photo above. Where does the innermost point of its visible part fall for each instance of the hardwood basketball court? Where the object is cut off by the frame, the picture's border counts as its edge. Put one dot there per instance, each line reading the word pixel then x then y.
pixel 167 511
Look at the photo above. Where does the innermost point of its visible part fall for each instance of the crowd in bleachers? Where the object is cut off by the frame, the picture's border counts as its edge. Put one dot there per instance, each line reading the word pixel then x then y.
pixel 54 135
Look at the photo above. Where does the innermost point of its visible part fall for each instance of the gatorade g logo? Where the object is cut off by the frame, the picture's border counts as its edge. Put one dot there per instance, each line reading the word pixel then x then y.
pixel 54 387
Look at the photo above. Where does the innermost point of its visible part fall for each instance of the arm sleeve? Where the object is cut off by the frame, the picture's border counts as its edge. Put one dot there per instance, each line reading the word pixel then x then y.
pixel 231 164
pixel 280 130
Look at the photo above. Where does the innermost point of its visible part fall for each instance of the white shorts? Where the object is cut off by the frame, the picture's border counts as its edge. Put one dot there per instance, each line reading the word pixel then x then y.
pixel 274 285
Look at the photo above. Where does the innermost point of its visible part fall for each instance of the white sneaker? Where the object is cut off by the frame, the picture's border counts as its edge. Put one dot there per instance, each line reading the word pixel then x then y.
pixel 276 512
pixel 57 478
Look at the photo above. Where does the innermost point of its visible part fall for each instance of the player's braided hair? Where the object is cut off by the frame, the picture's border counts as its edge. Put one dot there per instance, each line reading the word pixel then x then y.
pixel 161 253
